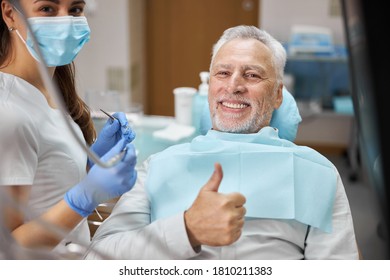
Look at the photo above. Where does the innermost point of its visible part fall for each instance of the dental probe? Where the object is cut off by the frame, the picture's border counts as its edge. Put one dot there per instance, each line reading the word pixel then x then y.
pixel 125 129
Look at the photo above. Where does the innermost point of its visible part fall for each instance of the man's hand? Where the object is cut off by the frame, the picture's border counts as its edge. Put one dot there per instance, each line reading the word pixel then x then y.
pixel 215 219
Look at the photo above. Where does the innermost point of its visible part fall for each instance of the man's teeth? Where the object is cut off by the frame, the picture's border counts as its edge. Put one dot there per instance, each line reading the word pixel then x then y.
pixel 234 105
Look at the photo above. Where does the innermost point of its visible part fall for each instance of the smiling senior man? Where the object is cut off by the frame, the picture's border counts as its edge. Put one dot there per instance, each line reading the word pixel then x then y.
pixel 267 197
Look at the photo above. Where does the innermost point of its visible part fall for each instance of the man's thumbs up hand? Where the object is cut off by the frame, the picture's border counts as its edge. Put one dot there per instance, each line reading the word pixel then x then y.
pixel 215 219
pixel 215 179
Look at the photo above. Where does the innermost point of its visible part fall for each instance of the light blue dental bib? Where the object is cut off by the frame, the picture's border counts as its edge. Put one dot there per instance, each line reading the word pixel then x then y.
pixel 279 179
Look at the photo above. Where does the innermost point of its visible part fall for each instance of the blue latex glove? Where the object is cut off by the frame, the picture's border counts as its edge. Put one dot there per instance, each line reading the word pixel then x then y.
pixel 102 184
pixel 111 133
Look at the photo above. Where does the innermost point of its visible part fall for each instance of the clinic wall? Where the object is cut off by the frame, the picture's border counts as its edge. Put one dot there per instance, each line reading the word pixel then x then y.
pixel 114 46
pixel 277 17
pixel 107 53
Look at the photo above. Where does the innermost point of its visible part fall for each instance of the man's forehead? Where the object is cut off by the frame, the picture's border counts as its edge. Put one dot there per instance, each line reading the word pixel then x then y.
pixel 242 67
pixel 245 43
pixel 241 49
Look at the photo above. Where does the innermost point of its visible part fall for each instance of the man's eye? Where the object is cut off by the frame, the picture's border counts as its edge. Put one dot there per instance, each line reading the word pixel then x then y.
pixel 252 75
pixel 222 73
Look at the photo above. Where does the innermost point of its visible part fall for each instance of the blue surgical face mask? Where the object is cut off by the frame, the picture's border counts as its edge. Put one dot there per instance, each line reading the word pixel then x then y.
pixel 60 38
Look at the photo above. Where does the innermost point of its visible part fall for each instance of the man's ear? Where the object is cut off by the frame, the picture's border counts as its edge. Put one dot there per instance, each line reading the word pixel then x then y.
pixel 8 13
pixel 279 96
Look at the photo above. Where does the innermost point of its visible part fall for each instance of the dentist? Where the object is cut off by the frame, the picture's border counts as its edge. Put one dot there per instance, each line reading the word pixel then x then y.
pixel 43 168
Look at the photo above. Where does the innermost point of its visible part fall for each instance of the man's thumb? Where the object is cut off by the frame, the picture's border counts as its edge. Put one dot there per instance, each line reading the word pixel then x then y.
pixel 215 179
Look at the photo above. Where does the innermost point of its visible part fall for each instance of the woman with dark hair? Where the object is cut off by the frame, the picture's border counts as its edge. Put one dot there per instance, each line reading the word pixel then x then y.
pixel 43 167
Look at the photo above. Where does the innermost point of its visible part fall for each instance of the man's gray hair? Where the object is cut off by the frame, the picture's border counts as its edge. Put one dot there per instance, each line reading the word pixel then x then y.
pixel 252 32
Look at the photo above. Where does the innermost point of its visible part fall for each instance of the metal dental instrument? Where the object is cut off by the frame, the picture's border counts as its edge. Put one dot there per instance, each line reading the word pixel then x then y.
pixel 126 129
pixel 52 88
pixel 109 115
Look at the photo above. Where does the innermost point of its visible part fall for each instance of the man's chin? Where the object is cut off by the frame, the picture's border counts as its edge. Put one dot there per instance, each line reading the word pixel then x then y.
pixel 231 128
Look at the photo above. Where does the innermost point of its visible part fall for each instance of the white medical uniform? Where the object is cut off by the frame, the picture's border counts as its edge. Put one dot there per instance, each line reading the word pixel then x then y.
pixel 129 234
pixel 38 149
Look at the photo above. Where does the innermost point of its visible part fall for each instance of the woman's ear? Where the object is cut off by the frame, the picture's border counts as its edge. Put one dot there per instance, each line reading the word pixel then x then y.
pixel 279 96
pixel 9 14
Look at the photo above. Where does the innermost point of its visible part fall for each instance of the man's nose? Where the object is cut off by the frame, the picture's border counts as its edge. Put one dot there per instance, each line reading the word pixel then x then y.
pixel 236 84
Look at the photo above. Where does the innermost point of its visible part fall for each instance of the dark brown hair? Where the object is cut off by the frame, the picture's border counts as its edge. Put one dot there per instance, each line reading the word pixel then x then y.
pixel 78 110
pixel 4 41
pixel 65 77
